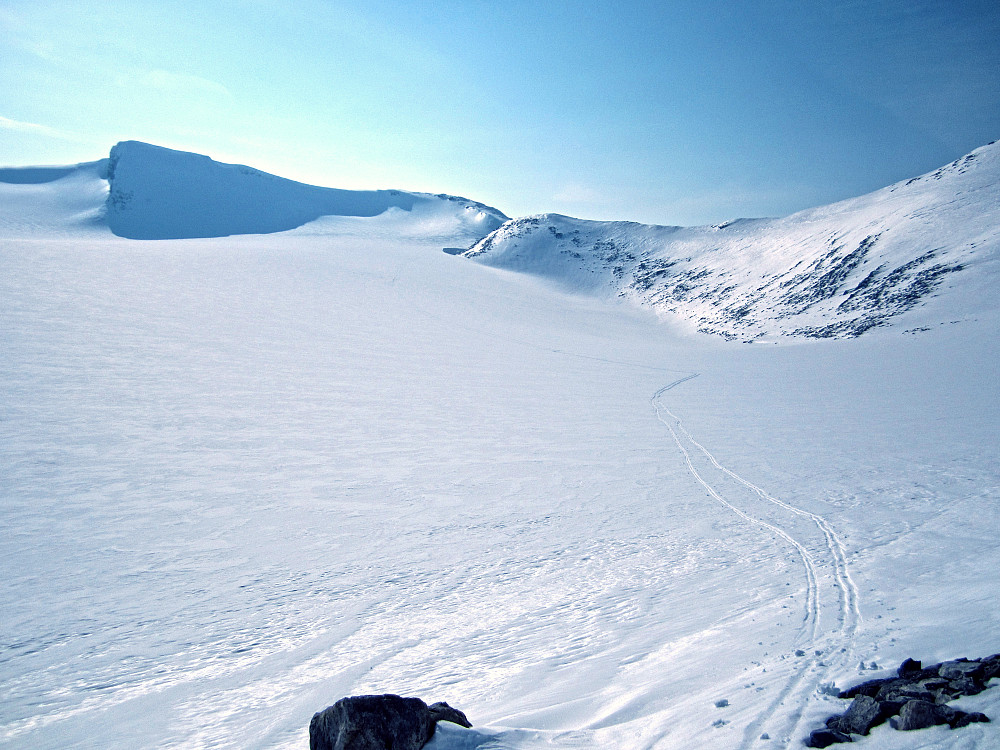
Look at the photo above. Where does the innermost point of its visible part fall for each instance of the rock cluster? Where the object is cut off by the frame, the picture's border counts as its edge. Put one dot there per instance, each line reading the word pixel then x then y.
pixel 379 722
pixel 916 698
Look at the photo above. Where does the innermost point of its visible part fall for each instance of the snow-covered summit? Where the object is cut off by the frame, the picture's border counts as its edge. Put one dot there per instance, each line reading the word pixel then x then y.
pixel 150 192
pixel 833 271
pixel 159 193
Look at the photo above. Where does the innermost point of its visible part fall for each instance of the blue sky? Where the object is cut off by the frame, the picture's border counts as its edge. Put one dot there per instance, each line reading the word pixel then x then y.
pixel 665 112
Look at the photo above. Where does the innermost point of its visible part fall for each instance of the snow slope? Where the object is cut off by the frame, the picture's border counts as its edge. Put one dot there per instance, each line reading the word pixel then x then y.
pixel 241 477
pixel 47 201
pixel 834 271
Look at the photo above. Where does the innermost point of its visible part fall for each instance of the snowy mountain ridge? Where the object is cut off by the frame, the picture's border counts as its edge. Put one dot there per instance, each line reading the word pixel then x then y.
pixel 920 253
pixel 834 271
pixel 160 193
pixel 149 192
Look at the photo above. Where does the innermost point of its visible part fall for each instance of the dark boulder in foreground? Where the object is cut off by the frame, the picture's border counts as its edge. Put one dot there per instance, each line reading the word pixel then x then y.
pixel 922 714
pixel 826 737
pixel 864 713
pixel 379 722
pixel 441 711
pixel 915 699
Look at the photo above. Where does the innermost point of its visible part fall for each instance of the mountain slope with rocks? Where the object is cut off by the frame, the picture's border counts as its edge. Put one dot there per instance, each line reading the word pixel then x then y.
pixel 921 252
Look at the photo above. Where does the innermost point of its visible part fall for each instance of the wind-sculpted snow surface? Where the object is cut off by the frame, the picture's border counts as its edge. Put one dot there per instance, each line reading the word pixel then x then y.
pixel 159 193
pixel 835 271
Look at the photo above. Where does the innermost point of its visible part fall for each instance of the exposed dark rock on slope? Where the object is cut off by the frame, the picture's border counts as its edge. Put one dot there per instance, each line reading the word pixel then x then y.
pixel 830 272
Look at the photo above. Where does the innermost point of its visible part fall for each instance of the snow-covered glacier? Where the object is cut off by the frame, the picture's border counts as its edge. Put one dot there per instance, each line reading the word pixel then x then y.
pixel 243 476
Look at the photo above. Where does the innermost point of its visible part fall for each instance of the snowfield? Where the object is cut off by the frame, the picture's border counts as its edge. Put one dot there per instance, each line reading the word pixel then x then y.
pixel 244 476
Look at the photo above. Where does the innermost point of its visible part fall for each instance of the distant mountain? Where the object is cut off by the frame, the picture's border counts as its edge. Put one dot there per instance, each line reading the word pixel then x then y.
pixel 159 193
pixel 835 271
pixel 919 253
pixel 151 193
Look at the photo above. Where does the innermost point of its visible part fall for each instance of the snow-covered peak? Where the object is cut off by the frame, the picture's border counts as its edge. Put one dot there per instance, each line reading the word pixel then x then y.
pixel 148 192
pixel 160 193
pixel 832 271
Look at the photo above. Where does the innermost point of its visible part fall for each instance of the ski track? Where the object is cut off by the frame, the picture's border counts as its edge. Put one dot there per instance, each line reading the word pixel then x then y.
pixel 838 641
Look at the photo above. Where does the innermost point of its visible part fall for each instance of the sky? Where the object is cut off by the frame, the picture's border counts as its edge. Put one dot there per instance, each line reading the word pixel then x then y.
pixel 662 112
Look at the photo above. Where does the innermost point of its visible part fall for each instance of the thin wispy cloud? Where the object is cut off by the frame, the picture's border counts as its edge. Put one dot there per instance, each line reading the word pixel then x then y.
pixel 180 83
pixel 575 192
pixel 33 128
pixel 840 97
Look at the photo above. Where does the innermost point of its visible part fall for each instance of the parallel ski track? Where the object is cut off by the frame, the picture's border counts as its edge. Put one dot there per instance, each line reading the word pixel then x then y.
pixel 849 616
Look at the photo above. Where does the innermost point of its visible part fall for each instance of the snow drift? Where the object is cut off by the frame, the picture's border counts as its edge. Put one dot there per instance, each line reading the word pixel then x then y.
pixel 835 271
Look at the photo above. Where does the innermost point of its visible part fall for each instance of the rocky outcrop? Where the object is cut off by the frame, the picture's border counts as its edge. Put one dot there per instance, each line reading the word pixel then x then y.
pixel 915 698
pixel 379 722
